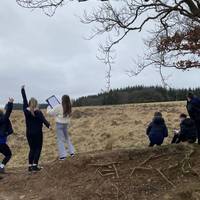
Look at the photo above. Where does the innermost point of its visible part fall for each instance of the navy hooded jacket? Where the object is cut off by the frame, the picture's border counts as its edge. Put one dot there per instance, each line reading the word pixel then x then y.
pixel 188 131
pixel 193 108
pixel 157 130
pixel 5 124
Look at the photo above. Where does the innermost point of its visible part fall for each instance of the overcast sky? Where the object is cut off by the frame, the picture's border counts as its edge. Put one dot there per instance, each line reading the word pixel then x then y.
pixel 50 55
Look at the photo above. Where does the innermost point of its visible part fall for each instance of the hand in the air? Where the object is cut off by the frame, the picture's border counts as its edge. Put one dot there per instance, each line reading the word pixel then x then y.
pixel 11 100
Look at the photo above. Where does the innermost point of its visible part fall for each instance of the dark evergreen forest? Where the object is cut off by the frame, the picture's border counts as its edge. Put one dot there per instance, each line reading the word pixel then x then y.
pixel 136 94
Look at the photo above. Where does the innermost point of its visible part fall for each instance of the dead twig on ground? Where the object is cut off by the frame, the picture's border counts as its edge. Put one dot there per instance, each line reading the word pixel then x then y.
pixel 186 165
pixel 150 158
pixel 165 178
pixel 139 168
pixel 157 170
pixel 116 171
pixel 117 193
pixel 103 164
pixel 111 169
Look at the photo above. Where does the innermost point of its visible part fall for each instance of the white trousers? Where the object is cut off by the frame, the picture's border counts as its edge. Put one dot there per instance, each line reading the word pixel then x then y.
pixel 63 138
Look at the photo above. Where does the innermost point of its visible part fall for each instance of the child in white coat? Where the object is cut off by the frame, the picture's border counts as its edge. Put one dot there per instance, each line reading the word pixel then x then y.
pixel 62 113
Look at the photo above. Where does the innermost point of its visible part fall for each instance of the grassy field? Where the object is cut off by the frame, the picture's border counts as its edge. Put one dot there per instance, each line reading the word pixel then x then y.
pixel 98 128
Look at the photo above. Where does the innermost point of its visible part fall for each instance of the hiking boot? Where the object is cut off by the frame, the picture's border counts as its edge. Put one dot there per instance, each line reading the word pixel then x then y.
pixel 62 158
pixel 30 168
pixel 2 170
pixel 36 168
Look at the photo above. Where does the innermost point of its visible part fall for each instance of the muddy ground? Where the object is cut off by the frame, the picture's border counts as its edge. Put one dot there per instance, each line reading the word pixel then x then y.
pixel 171 172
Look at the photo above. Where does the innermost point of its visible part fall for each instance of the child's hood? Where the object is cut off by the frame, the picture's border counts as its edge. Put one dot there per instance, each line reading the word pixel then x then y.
pixel 158 120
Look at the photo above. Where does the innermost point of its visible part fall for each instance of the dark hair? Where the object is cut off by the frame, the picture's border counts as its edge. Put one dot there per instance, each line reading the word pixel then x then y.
pixel 183 115
pixel 190 95
pixel 66 104
pixel 157 114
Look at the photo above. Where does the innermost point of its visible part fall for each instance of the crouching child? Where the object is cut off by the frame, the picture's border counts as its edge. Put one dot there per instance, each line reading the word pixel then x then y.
pixel 157 130
pixel 5 131
pixel 187 132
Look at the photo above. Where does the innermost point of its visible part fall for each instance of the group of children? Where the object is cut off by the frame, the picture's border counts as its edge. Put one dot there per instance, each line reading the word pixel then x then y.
pixel 189 131
pixel 34 120
pixel 157 130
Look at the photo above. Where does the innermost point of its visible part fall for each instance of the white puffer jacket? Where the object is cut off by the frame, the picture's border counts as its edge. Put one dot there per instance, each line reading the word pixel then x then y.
pixel 57 112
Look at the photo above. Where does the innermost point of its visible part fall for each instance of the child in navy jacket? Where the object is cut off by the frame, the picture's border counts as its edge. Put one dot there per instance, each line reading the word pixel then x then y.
pixel 5 131
pixel 157 130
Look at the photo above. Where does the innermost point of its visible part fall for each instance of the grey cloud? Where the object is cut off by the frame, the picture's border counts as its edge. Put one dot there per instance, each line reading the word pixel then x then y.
pixel 50 56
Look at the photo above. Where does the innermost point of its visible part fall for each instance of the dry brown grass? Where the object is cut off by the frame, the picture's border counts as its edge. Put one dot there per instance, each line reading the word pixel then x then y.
pixel 98 128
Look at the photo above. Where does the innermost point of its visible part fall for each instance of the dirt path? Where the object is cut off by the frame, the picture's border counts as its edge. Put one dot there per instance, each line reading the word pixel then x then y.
pixel 169 172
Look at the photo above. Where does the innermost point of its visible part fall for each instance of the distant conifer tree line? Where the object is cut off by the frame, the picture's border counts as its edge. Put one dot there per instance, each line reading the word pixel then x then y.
pixel 19 106
pixel 128 95
pixel 136 94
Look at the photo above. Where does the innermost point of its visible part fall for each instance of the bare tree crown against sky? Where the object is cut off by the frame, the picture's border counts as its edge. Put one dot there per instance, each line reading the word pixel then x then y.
pixel 175 39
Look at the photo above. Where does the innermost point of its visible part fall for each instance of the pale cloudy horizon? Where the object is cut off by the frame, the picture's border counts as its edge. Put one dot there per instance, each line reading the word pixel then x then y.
pixel 51 56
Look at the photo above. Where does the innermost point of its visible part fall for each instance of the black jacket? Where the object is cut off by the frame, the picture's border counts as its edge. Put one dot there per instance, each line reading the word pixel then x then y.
pixel 5 124
pixel 157 130
pixel 34 123
pixel 193 108
pixel 188 131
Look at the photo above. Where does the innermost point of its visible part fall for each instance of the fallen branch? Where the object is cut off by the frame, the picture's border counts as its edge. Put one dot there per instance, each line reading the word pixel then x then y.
pixel 116 171
pixel 150 158
pixel 139 168
pixel 117 189
pixel 107 174
pixel 165 178
pixel 186 161
pixel 103 164
pixel 157 170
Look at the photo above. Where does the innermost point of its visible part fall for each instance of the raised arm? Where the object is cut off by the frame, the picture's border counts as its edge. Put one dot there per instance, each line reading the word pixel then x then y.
pixel 8 111
pixel 25 101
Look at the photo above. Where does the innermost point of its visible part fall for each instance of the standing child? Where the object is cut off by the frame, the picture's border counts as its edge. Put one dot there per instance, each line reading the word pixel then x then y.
pixel 193 108
pixel 62 113
pixel 5 131
pixel 34 124
pixel 157 130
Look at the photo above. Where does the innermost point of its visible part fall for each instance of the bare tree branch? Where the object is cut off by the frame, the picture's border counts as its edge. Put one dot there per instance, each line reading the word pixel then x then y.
pixel 175 36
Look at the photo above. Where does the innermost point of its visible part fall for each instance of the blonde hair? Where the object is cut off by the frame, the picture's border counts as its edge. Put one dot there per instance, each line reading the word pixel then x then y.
pixel 33 105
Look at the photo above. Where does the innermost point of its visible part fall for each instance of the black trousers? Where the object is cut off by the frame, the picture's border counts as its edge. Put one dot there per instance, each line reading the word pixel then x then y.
pixel 197 123
pixel 176 139
pixel 35 144
pixel 5 150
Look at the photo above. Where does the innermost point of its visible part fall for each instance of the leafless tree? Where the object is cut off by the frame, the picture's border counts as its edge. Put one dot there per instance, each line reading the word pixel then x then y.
pixel 173 20
pixel 48 6
pixel 173 37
